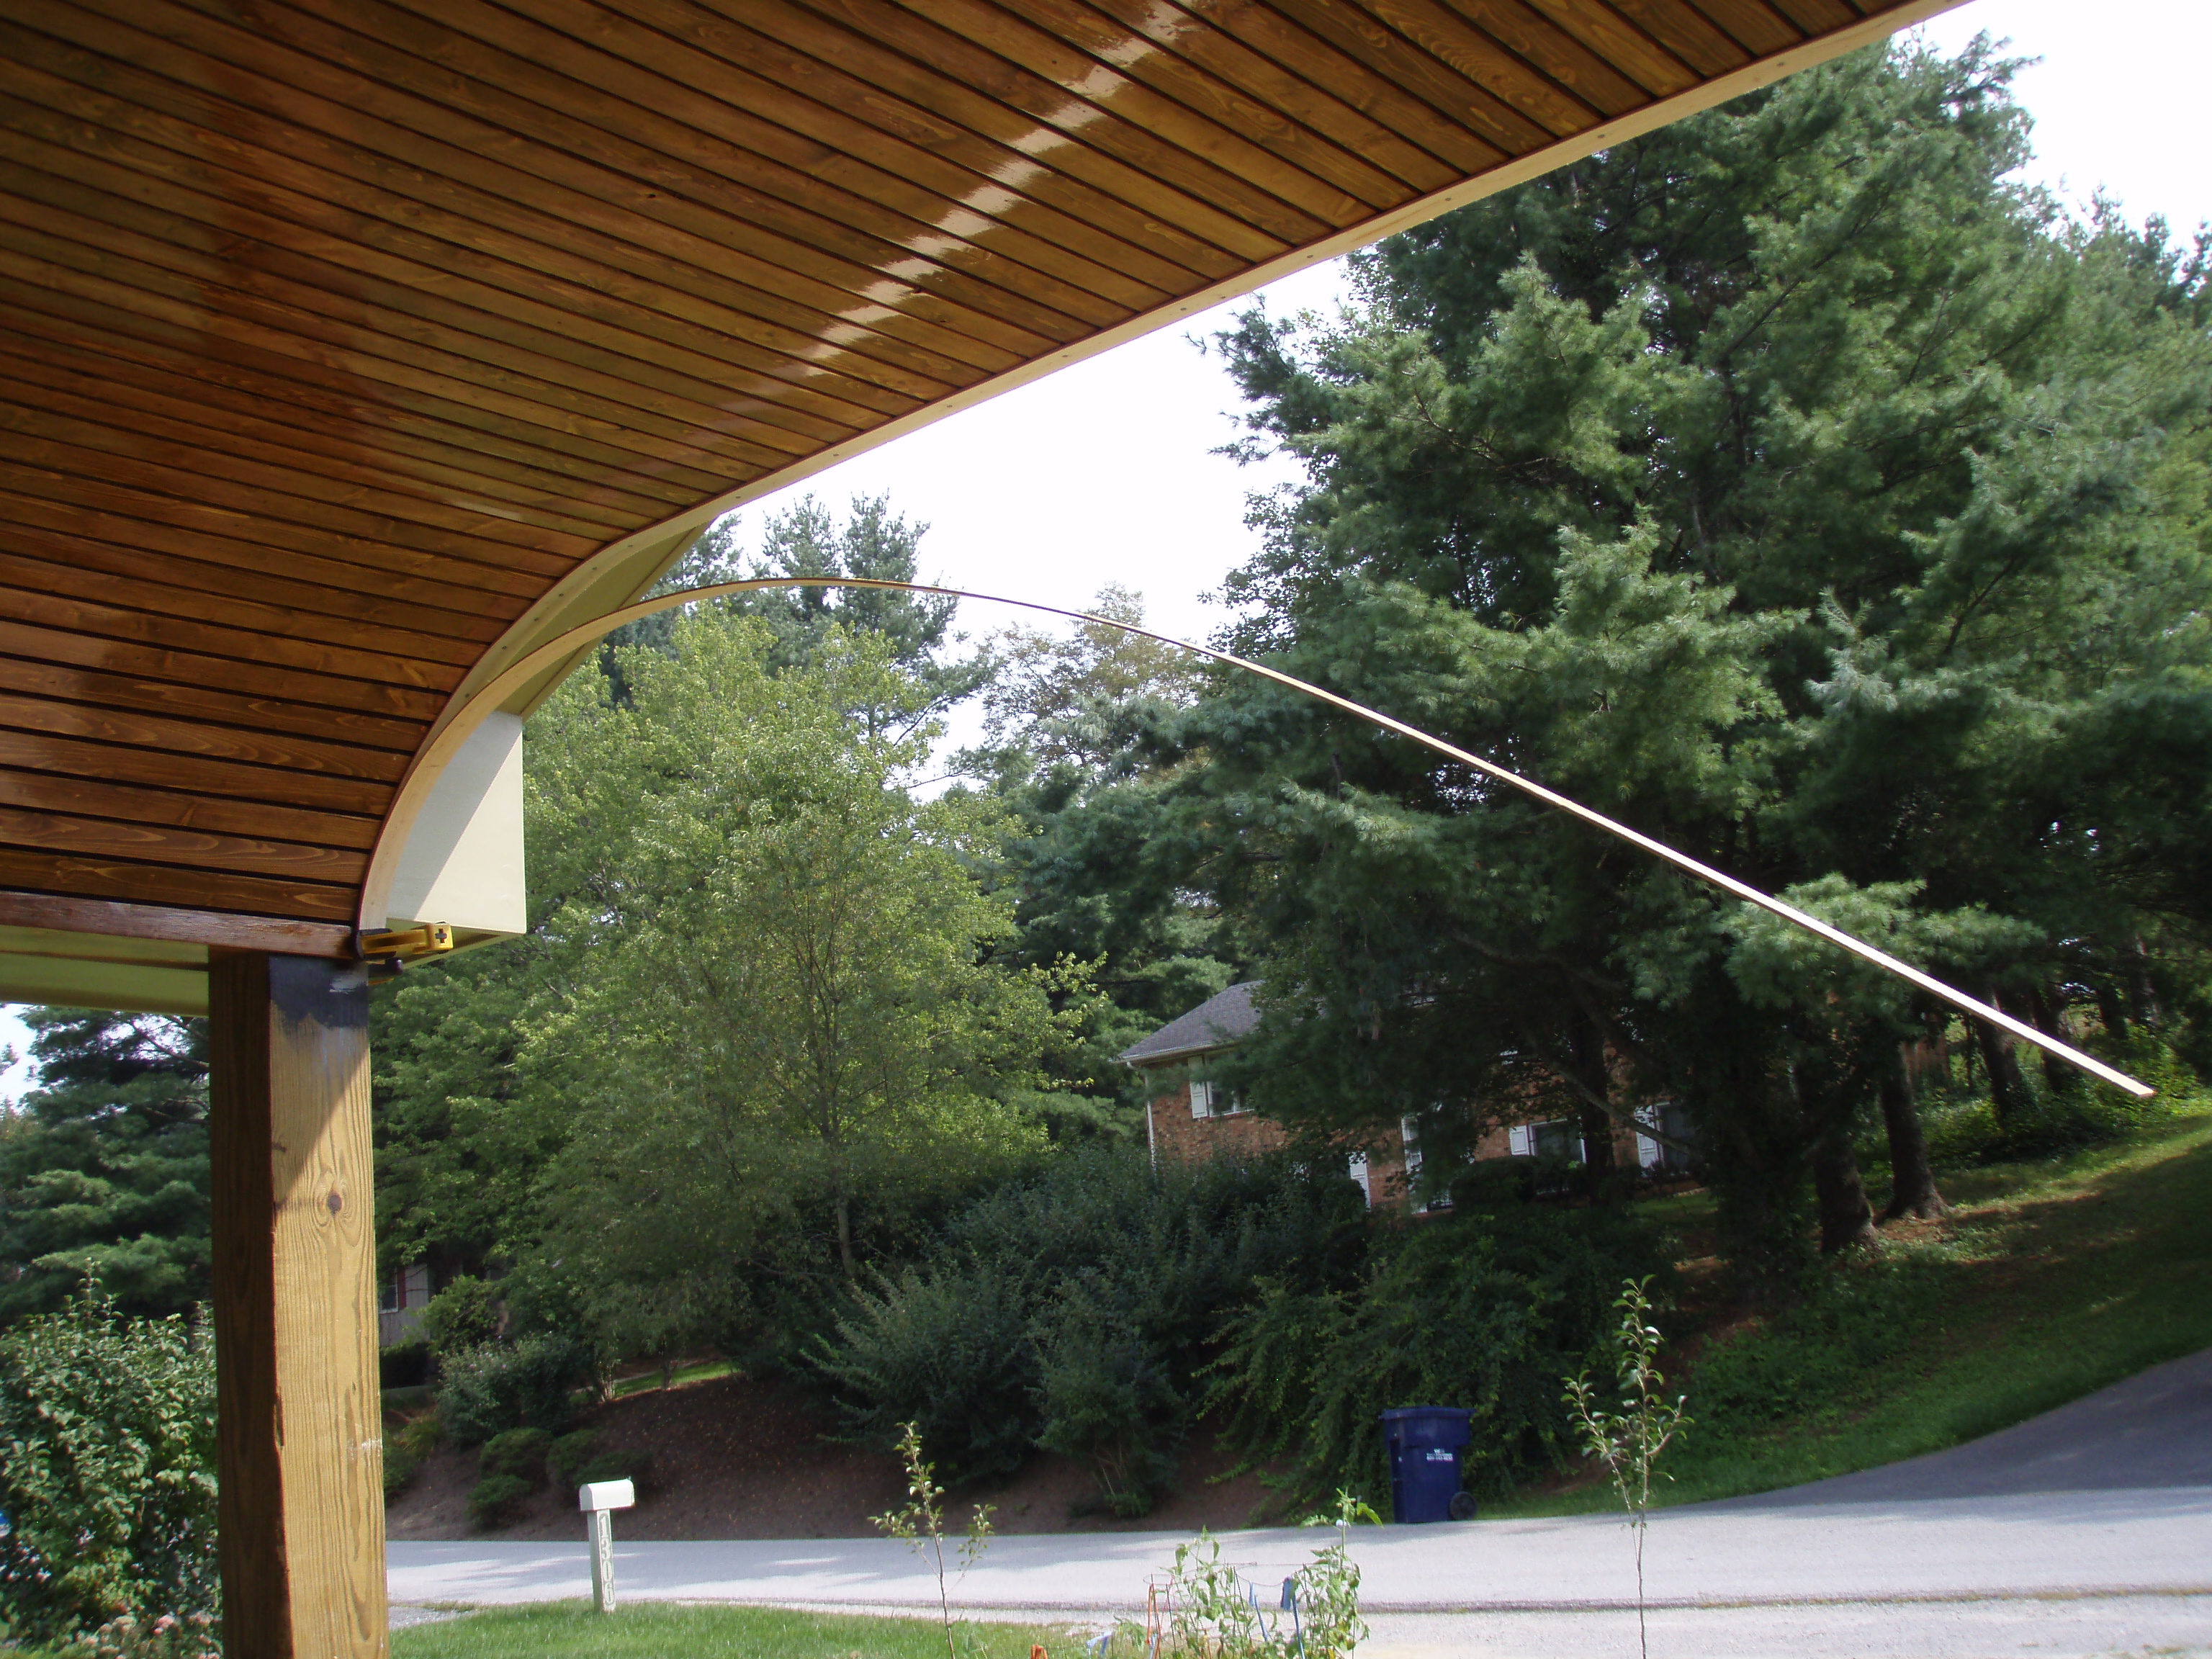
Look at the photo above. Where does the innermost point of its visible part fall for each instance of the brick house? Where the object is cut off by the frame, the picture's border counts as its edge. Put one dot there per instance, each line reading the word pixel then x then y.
pixel 1191 1114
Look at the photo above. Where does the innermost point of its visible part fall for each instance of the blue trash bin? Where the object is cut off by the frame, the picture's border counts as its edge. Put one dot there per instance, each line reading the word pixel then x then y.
pixel 1424 1443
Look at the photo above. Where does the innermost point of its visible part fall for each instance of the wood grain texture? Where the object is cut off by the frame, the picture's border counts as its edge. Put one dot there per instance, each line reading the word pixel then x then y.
pixel 108 919
pixel 301 1435
pixel 342 343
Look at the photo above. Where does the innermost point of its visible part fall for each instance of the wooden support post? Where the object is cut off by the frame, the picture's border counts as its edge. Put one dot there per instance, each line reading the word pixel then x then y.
pixel 300 1451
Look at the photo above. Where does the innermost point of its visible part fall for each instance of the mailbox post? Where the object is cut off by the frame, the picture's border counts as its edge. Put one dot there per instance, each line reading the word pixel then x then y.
pixel 599 1500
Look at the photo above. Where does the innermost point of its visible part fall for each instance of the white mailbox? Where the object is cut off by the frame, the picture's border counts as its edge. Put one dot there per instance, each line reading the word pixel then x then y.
pixel 599 1500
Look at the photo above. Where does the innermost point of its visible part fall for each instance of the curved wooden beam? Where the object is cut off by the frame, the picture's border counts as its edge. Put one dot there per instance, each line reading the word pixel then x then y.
pixel 461 722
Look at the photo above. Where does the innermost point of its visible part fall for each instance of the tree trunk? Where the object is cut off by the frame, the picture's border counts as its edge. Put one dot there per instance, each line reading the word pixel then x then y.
pixel 1595 1125
pixel 1598 1151
pixel 2009 1093
pixel 2048 1015
pixel 2112 1010
pixel 2140 992
pixel 1846 1215
pixel 1912 1181
pixel 845 1237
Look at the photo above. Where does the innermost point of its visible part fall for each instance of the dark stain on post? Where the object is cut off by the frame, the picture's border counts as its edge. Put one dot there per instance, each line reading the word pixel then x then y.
pixel 333 994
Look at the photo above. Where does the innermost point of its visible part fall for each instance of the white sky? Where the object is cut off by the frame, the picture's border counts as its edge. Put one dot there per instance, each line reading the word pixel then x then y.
pixel 1104 472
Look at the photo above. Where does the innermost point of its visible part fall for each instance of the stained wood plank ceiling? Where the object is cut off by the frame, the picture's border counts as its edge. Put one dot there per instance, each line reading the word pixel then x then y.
pixel 334 334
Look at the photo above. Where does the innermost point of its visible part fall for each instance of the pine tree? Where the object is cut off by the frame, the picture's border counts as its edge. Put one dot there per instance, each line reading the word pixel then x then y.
pixel 104 1166
pixel 1792 486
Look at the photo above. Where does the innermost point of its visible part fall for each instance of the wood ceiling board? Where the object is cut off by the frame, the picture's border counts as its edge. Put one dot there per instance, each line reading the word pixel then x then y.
pixel 184 697
pixel 351 349
pixel 129 803
pixel 304 72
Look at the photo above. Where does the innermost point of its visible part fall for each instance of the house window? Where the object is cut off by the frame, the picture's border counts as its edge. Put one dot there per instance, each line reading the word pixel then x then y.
pixel 1654 1156
pixel 1211 1100
pixel 1409 1132
pixel 1557 1139
pixel 394 1295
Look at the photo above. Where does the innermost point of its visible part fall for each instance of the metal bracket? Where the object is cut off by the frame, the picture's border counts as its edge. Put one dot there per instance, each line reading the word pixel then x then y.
pixel 393 946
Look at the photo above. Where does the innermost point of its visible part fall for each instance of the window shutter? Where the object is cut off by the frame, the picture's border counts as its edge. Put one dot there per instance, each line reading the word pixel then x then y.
pixel 1201 1099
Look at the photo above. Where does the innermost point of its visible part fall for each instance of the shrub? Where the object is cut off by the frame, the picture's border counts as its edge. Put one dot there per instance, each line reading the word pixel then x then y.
pixel 1966 1130
pixel 1486 1310
pixel 570 1454
pixel 462 1316
pixel 1070 1308
pixel 946 1348
pixel 399 1466
pixel 406 1444
pixel 167 1637
pixel 493 1498
pixel 106 1471
pixel 519 1452
pixel 487 1390
pixel 634 1465
pixel 1109 1397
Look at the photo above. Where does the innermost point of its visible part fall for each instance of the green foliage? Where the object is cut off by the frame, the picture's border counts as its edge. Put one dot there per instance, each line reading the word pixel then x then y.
pixel 464 1314
pixel 195 1636
pixel 106 1470
pixel 763 986
pixel 486 1391
pixel 521 1452
pixel 1965 1128
pixel 1082 752
pixel 569 1455
pixel 807 540
pixel 1107 1389
pixel 1220 1614
pixel 1848 1328
pixel 634 1465
pixel 1629 1441
pixel 1071 1308
pixel 1483 1309
pixel 103 1167
pixel 1789 484
pixel 2050 1279
pixel 920 1524
pixel 406 1445
pixel 950 1343
pixel 494 1497
pixel 786 1020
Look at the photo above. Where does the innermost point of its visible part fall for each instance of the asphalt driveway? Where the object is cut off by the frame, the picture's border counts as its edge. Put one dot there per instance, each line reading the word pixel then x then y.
pixel 2087 1531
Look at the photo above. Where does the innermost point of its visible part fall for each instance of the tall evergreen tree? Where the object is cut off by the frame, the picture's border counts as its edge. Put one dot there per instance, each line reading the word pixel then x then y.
pixel 104 1166
pixel 1790 484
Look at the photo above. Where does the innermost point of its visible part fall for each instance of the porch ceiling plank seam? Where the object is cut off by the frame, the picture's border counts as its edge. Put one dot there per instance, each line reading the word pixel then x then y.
pixel 351 349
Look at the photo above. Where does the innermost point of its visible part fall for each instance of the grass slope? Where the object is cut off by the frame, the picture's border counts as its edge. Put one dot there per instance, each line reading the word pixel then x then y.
pixel 569 1630
pixel 2051 1280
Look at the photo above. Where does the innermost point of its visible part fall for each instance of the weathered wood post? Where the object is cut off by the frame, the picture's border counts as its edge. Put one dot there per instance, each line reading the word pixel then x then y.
pixel 300 1443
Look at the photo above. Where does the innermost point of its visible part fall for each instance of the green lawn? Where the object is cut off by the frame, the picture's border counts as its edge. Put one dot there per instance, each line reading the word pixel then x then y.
pixel 704 1371
pixel 2054 1278
pixel 651 1630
